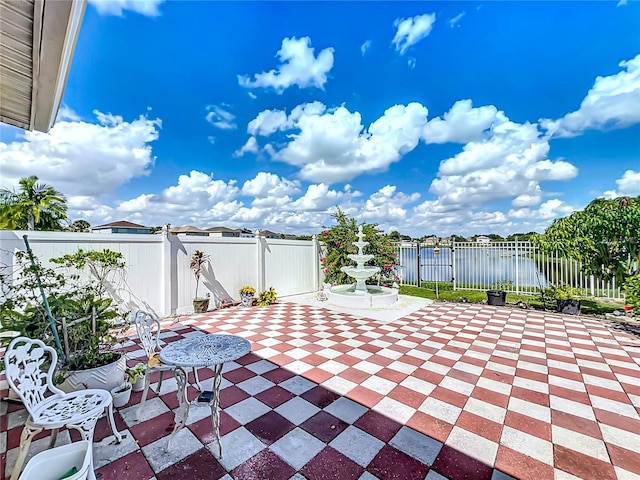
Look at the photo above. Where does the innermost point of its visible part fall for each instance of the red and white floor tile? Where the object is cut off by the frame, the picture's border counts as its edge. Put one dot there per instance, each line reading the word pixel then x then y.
pixel 450 391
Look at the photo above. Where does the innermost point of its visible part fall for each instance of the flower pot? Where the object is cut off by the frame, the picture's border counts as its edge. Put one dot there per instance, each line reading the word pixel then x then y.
pixel 246 300
pixel 138 385
pixel 200 305
pixel 121 395
pixel 105 377
pixel 568 307
pixel 496 297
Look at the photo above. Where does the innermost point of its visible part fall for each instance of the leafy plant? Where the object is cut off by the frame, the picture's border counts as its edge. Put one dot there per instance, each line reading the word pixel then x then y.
pixel 135 373
pixel 198 260
pixel 631 291
pixel 503 285
pixel 268 297
pixel 338 244
pixel 91 344
pixel 247 290
pixel 104 265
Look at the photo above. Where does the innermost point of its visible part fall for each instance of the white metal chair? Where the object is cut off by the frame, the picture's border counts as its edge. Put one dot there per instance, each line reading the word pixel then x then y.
pixel 148 330
pixel 29 366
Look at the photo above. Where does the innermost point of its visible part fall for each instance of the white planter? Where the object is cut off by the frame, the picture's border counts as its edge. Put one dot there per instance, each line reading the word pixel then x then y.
pixel 246 300
pixel 106 377
pixel 121 397
pixel 138 385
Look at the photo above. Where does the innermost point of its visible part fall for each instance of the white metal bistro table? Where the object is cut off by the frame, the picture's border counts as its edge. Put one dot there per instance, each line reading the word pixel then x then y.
pixel 208 350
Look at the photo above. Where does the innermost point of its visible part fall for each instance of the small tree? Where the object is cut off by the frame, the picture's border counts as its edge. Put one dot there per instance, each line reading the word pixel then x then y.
pixel 198 261
pixel 604 237
pixel 338 242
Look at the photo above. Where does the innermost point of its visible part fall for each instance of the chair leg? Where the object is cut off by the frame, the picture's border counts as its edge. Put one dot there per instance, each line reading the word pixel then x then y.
pixel 145 392
pixel 29 431
pixel 54 437
pixel 160 382
pixel 86 429
pixel 112 423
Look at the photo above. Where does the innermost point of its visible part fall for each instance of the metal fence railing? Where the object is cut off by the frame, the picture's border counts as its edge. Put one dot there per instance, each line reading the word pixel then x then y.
pixel 520 267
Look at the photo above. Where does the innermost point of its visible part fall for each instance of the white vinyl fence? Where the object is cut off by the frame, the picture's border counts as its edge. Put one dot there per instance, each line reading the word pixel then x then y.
pixel 157 275
pixel 480 266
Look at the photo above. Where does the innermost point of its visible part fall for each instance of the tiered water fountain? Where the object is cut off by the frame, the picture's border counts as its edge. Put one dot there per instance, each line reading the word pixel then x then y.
pixel 360 294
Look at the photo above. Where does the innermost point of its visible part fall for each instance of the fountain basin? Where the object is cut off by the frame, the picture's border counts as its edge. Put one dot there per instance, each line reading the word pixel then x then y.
pixel 375 296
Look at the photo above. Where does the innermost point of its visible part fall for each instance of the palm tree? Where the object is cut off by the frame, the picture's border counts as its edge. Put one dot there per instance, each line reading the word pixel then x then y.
pixel 34 205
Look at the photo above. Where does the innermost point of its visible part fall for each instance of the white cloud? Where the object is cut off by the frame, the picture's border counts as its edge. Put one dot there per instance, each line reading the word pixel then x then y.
pixel 549 210
pixel 411 30
pixel 318 198
pixel 454 22
pixel 299 67
pixel 462 123
pixel 67 113
pixel 332 145
pixel 386 206
pixel 628 185
pixel 80 158
pixel 251 146
pixel 220 118
pixel 197 199
pixel 611 103
pixel 266 184
pixel 509 161
pixel 364 48
pixel 267 122
pixel 621 3
pixel 148 8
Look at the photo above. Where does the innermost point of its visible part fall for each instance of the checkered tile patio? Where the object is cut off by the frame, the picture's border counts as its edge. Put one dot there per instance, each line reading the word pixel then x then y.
pixel 450 391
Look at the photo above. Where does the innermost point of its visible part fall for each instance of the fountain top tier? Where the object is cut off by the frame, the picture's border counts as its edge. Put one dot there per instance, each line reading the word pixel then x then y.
pixel 360 258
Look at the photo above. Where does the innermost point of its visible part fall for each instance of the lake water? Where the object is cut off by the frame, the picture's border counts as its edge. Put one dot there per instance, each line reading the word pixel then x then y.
pixel 473 266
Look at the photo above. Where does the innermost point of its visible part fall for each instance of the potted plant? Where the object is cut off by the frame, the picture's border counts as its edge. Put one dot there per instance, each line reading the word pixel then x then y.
pixel 247 293
pixel 498 295
pixel 198 260
pixel 121 394
pixel 80 313
pixel 567 298
pixel 135 376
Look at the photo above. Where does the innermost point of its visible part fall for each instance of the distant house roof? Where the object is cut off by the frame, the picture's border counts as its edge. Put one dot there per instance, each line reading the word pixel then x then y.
pixel 188 229
pixel 119 224
pixel 269 233
pixel 223 229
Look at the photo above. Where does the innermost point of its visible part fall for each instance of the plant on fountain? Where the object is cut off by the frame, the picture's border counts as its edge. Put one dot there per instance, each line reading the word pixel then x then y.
pixel 338 244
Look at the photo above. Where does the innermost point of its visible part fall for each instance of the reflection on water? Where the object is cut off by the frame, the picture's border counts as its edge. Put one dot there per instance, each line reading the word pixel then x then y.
pixel 474 266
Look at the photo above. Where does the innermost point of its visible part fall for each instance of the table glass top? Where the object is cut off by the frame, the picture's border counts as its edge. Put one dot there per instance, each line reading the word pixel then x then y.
pixel 204 350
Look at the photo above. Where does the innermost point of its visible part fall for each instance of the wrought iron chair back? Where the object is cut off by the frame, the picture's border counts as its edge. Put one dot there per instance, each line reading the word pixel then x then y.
pixel 30 365
pixel 148 329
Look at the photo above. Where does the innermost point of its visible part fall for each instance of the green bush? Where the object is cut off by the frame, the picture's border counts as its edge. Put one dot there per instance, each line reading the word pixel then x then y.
pixel 631 290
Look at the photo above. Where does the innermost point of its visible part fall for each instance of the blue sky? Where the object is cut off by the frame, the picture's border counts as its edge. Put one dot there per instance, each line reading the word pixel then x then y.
pixel 425 117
